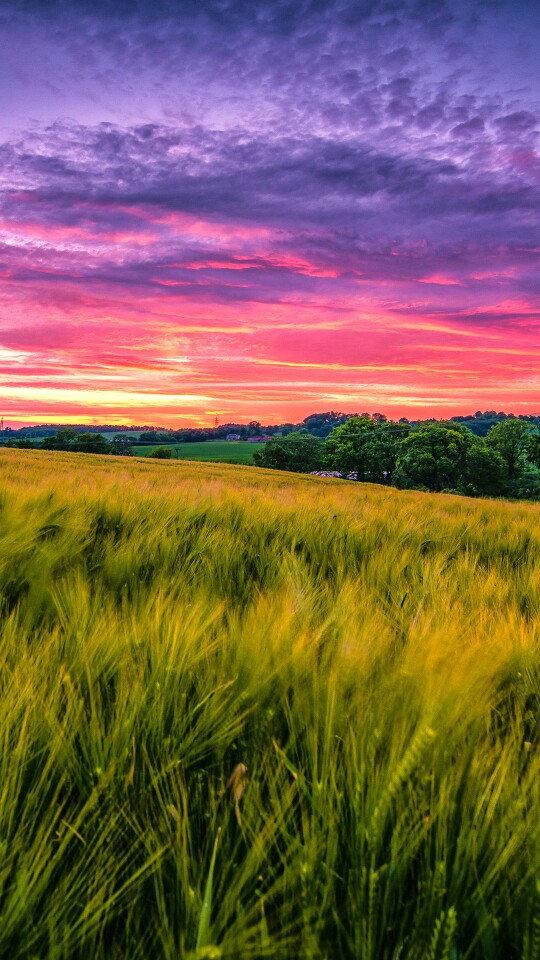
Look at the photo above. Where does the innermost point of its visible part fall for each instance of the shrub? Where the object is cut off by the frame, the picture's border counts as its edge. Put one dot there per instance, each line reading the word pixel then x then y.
pixel 162 453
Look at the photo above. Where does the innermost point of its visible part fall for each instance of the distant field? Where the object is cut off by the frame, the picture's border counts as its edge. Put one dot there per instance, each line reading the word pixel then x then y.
pixel 212 450
pixel 370 655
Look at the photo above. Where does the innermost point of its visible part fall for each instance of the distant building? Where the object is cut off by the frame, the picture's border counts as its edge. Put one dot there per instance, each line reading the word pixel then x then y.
pixel 233 436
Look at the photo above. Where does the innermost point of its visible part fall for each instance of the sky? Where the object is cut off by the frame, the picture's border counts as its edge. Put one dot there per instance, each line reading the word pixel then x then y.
pixel 248 209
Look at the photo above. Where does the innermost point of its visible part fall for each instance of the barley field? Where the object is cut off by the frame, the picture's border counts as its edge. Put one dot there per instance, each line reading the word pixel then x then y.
pixel 247 714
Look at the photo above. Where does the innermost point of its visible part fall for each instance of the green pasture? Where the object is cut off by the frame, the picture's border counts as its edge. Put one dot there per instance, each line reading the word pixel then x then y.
pixel 225 451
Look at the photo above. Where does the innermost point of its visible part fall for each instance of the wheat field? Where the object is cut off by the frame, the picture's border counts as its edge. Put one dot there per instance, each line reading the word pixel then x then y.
pixel 369 655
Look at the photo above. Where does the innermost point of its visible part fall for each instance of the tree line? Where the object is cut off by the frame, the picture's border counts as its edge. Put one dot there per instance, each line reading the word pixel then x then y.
pixel 68 439
pixel 318 424
pixel 435 456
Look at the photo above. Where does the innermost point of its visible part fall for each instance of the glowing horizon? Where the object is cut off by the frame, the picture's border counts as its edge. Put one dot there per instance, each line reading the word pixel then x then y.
pixel 264 211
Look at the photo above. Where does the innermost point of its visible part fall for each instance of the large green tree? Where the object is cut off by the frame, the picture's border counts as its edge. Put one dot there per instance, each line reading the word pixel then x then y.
pixel 299 452
pixel 382 450
pixel 485 470
pixel 441 458
pixel 346 447
pixel 367 445
pixel 509 438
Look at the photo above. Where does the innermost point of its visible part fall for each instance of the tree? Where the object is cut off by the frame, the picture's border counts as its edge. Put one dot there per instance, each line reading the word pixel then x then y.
pixel 321 424
pixel 66 436
pixel 162 453
pixel 431 458
pixel 286 428
pixel 532 447
pixel 525 486
pixel 68 439
pixel 382 450
pixel 62 440
pixel 20 444
pixel 298 452
pixel 450 458
pixel 346 447
pixel 91 443
pixel 254 428
pixel 485 470
pixel 509 438
pixel 368 445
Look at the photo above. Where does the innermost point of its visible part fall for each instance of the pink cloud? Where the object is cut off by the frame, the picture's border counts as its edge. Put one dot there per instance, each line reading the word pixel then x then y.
pixel 441 281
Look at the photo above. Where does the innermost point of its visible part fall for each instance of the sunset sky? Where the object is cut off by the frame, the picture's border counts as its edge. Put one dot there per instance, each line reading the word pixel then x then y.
pixel 258 210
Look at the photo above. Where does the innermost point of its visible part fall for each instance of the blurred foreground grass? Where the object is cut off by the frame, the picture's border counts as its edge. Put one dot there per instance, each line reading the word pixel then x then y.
pixel 370 655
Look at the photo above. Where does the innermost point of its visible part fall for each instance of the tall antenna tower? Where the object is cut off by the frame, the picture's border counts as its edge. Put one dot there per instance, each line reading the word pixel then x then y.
pixel 215 421
pixel 1 423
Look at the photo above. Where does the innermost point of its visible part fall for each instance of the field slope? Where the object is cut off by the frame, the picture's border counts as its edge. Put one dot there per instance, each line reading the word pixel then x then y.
pixel 370 656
